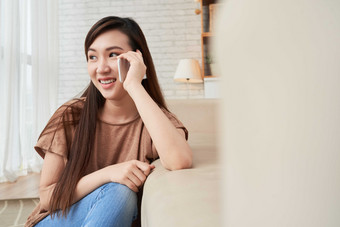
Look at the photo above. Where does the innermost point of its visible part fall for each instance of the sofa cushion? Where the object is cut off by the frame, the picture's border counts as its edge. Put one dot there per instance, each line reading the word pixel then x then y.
pixel 188 197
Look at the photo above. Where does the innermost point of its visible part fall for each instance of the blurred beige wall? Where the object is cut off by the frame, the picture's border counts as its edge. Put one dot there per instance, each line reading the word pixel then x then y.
pixel 281 112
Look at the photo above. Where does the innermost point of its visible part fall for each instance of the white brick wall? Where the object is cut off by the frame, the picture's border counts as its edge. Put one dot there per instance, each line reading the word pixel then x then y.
pixel 172 30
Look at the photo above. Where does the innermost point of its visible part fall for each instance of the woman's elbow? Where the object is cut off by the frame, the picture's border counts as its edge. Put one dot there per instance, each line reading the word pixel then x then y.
pixel 44 199
pixel 44 203
pixel 183 162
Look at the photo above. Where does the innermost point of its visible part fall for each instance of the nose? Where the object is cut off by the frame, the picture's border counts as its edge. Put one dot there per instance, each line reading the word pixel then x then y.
pixel 103 67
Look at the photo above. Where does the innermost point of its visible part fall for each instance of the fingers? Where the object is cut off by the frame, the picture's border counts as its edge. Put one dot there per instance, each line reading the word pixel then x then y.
pixel 134 174
pixel 145 167
pixel 140 175
pixel 137 179
pixel 132 56
pixel 129 179
pixel 137 68
pixel 133 183
pixel 140 55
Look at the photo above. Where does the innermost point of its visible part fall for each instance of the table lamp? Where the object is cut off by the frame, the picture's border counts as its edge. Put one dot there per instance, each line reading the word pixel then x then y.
pixel 189 71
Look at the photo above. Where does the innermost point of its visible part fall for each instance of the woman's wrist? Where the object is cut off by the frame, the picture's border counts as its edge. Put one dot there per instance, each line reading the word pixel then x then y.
pixel 106 176
pixel 132 88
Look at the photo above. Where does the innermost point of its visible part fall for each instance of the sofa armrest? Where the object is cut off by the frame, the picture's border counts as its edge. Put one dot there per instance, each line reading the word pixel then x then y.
pixel 186 197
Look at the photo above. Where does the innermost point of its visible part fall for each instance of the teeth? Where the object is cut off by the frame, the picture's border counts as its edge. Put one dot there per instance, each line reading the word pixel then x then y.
pixel 107 81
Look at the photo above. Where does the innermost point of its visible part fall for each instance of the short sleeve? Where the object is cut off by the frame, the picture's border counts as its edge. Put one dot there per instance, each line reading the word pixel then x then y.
pixel 153 154
pixel 58 133
pixel 55 142
pixel 177 123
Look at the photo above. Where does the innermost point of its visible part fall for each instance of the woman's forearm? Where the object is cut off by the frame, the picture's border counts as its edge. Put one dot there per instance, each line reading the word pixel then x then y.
pixel 131 173
pixel 85 186
pixel 89 183
pixel 171 145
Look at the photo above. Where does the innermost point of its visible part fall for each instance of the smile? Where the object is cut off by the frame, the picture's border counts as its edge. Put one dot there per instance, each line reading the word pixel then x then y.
pixel 107 81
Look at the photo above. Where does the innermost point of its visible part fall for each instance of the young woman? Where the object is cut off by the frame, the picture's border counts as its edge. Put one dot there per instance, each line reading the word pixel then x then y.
pixel 97 149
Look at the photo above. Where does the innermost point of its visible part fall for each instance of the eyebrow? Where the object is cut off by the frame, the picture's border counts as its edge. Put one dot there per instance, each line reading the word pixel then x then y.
pixel 107 49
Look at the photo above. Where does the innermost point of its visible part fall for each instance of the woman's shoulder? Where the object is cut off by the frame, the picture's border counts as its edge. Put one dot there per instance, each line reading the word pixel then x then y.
pixel 60 128
pixel 69 113
pixel 74 103
pixel 73 106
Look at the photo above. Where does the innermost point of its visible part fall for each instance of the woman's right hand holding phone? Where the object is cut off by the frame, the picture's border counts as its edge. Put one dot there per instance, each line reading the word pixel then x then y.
pixel 136 70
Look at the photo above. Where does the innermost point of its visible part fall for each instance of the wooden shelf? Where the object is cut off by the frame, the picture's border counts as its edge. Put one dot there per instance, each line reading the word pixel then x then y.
pixel 210 76
pixel 207 34
pixel 207 2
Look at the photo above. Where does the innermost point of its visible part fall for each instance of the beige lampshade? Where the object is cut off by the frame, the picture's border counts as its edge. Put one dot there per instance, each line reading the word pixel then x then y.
pixel 188 70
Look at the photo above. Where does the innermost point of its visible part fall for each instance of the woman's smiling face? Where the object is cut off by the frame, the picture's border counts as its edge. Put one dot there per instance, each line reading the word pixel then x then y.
pixel 102 63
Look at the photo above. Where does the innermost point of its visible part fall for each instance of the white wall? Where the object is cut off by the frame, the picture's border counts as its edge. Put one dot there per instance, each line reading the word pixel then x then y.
pixel 281 112
pixel 172 30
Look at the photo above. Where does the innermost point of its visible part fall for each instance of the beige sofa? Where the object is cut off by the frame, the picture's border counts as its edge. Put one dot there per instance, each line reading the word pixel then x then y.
pixel 187 197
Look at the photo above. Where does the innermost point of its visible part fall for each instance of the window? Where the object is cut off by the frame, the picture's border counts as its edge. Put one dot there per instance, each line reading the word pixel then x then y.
pixel 25 83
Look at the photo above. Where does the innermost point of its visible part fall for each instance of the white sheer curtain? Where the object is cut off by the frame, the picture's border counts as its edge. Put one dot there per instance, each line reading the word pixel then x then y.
pixel 28 81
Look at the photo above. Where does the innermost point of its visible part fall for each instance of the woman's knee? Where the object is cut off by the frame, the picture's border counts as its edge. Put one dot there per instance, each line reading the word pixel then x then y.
pixel 120 189
pixel 123 199
pixel 120 193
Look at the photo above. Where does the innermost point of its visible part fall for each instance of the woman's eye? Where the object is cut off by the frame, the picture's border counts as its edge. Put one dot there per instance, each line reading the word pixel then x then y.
pixel 113 55
pixel 91 57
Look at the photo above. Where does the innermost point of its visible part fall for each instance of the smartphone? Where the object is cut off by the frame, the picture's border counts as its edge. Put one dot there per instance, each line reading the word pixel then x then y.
pixel 123 68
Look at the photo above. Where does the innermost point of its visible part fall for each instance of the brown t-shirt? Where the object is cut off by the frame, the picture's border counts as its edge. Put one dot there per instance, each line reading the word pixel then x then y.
pixel 114 143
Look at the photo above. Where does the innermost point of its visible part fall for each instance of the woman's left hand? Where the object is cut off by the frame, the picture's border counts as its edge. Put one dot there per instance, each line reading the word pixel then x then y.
pixel 137 69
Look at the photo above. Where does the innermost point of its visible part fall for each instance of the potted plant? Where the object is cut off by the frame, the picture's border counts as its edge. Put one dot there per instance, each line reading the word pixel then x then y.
pixel 212 64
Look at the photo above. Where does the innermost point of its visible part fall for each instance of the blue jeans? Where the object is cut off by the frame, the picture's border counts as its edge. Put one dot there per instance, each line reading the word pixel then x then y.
pixel 112 204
